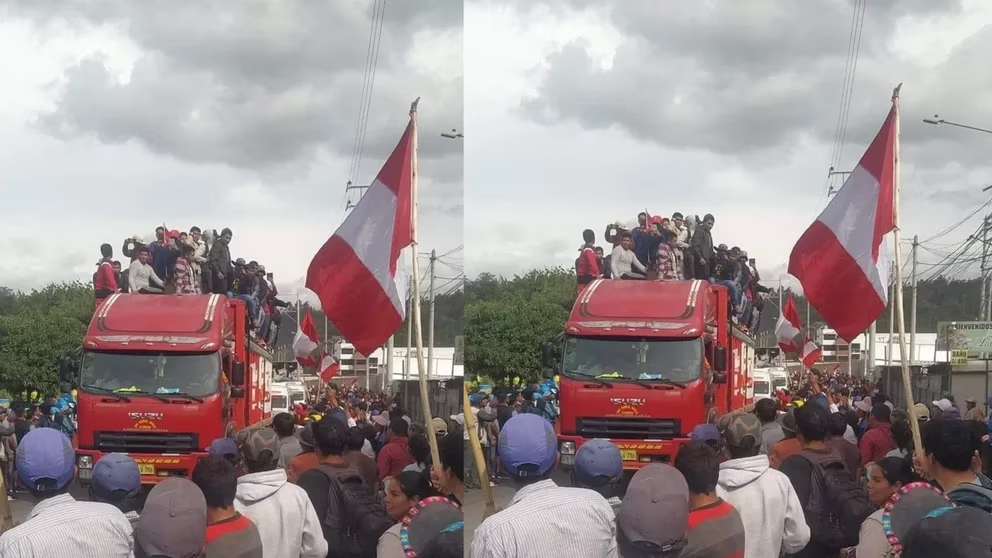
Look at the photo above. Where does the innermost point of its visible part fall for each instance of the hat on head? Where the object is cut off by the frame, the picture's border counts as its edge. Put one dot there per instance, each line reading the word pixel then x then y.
pixel 864 406
pixel 258 442
pixel 741 426
pixel 382 419
pixel 655 510
pixel 970 400
pixel 906 507
pixel 528 446
pixel 426 520
pixel 439 426
pixel 116 472
pixel 950 532
pixel 45 460
pixel 598 458
pixel 944 405
pixel 705 433
pixel 223 447
pixel 173 523
pixel 305 436
pixel 922 411
pixel 788 422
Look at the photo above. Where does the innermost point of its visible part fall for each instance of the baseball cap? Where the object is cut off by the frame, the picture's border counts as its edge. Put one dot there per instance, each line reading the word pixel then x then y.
pixel 944 405
pixel 705 433
pixel 439 426
pixel 223 447
pixel 922 411
pixel 257 443
pixel 788 422
pixel 46 461
pixel 528 446
pixel 950 532
pixel 116 473
pixel 173 523
pixel 741 426
pixel 596 459
pixel 305 436
pixel 655 510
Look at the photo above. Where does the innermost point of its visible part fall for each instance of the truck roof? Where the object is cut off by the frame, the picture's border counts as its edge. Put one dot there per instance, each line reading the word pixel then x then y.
pixel 659 308
pixel 177 323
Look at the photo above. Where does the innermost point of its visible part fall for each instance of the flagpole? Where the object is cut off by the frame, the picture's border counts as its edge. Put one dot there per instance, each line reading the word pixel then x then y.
pixel 900 314
pixel 425 401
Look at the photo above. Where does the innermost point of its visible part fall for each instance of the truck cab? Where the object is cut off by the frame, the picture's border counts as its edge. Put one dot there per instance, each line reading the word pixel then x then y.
pixel 159 377
pixel 643 362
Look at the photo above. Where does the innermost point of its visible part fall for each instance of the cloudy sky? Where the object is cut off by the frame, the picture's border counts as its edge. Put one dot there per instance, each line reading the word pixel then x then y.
pixel 117 116
pixel 583 112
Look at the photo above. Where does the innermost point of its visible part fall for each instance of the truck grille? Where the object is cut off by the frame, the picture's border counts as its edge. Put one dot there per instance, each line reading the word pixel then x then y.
pixel 146 442
pixel 629 428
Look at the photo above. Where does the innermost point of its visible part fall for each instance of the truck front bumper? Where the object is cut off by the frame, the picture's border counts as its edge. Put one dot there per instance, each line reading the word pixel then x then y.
pixel 635 453
pixel 153 468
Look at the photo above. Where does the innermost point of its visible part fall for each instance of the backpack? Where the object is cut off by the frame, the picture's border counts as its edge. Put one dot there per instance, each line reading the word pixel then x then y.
pixel 355 518
pixel 973 495
pixel 837 504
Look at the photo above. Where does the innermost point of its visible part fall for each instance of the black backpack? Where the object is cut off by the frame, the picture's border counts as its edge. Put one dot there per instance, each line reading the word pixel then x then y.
pixel 837 504
pixel 355 517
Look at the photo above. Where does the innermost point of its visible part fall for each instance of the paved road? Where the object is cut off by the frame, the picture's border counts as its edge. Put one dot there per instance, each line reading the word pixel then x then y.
pixel 475 504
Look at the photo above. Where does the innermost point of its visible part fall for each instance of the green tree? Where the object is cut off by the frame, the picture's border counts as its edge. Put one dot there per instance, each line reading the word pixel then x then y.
pixel 507 320
pixel 38 328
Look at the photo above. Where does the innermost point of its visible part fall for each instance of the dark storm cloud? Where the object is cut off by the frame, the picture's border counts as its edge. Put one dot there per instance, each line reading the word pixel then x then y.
pixel 253 83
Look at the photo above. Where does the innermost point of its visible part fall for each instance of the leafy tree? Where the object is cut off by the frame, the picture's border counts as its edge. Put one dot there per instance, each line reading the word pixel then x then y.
pixel 38 328
pixel 507 320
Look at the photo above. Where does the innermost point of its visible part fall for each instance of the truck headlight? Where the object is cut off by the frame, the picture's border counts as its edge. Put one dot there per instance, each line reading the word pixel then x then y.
pixel 84 462
pixel 567 448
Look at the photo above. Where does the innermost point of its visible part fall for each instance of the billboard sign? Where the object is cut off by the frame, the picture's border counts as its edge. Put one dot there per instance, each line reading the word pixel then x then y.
pixel 964 338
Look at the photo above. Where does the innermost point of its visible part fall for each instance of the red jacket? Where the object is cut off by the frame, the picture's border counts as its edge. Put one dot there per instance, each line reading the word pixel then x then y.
pixel 393 457
pixel 587 265
pixel 875 443
pixel 105 279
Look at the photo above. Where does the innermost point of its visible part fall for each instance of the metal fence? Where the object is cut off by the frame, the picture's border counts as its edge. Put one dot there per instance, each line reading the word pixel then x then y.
pixel 929 382
pixel 445 396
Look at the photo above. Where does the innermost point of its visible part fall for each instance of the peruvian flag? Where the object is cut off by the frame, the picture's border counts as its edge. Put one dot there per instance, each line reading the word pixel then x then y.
pixel 811 354
pixel 305 341
pixel 328 367
pixel 788 327
pixel 354 384
pixel 837 258
pixel 355 272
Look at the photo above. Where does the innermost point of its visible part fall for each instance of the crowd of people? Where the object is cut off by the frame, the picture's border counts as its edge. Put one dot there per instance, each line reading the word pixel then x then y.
pixel 191 263
pixel 826 469
pixel 21 416
pixel 674 249
pixel 344 481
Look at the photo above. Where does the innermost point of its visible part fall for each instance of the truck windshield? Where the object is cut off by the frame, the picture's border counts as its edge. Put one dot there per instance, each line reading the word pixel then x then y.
pixel 197 375
pixel 633 358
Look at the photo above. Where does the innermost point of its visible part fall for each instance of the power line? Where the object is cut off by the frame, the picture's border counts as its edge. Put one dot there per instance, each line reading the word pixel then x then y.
pixel 847 90
pixel 368 84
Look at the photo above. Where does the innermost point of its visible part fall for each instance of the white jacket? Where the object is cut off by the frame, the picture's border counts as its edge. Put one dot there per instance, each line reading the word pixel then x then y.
pixel 769 506
pixel 286 520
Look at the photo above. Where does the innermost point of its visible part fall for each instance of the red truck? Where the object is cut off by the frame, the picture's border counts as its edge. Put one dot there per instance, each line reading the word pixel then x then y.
pixel 159 377
pixel 643 362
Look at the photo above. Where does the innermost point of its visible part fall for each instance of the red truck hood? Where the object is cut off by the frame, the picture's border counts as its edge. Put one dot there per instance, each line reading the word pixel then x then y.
pixel 580 398
pixel 146 414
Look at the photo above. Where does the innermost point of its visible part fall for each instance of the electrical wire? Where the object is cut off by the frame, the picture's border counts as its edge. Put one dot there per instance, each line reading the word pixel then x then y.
pixel 847 90
pixel 368 84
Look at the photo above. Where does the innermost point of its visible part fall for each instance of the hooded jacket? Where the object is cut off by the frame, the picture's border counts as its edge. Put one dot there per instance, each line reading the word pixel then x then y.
pixel 769 506
pixel 286 519
pixel 974 495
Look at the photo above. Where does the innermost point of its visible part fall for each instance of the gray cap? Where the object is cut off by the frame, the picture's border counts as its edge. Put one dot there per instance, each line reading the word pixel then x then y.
pixel 173 523
pixel 655 510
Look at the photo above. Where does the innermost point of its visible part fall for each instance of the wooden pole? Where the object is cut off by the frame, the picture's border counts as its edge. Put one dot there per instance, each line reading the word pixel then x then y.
pixel 900 314
pixel 6 516
pixel 480 460
pixel 425 400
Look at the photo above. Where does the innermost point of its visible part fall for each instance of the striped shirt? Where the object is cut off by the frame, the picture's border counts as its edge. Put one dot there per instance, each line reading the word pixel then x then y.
pixel 545 519
pixel 61 526
pixel 715 531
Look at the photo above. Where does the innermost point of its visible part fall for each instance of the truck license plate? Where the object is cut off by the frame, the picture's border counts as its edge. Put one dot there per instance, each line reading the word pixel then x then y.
pixel 628 455
pixel 146 469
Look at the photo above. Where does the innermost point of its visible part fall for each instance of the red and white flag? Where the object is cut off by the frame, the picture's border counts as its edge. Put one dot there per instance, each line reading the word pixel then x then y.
pixel 837 258
pixel 305 341
pixel 328 367
pixel 811 354
pixel 354 384
pixel 788 327
pixel 355 272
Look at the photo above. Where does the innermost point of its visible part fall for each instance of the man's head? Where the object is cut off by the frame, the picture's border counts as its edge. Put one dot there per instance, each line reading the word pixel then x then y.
pixel 226 448
pixel 284 424
pixel 700 466
pixel 160 233
pixel 708 221
pixel 45 462
pixel 678 219
pixel 743 435
pixel 173 522
pixel 117 266
pixel 654 516
pixel 144 254
pixel 116 481
pixel 626 240
pixel 261 450
pixel 218 480
pixel 107 251
pixel 330 436
pixel 440 426
pixel 880 412
pixel 970 403
pixel 766 410
pixel 528 448
pixel 642 218
pixel 597 464
pixel 195 233
pixel 451 452
pixel 812 423
pixel 599 252
pixel 949 445
pixel 398 427
pixel 708 434
pixel 589 236
pixel 226 235
pixel 838 425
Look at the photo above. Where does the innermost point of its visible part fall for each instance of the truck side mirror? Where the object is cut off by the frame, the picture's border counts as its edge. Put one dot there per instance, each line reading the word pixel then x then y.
pixel 238 375
pixel 719 378
pixel 720 360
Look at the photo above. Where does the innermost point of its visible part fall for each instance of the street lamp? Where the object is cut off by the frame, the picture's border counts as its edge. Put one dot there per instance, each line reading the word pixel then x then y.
pixel 454 134
pixel 937 120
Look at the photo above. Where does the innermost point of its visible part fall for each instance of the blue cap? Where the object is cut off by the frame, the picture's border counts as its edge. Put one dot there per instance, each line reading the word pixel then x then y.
pixel 528 446
pixel 45 460
pixel 222 447
pixel 116 472
pixel 705 433
pixel 598 458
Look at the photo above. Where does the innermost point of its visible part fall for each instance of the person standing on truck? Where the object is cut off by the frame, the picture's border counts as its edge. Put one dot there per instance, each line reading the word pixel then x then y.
pixel 587 264
pixel 701 248
pixel 142 276
pixel 220 265
pixel 105 280
pixel 624 262
pixel 681 243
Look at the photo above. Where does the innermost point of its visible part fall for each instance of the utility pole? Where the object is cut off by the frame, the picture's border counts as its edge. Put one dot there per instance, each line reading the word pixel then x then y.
pixel 361 189
pixel 985 266
pixel 409 333
pixel 892 312
pixel 430 318
pixel 870 365
pixel 389 364
pixel 912 305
